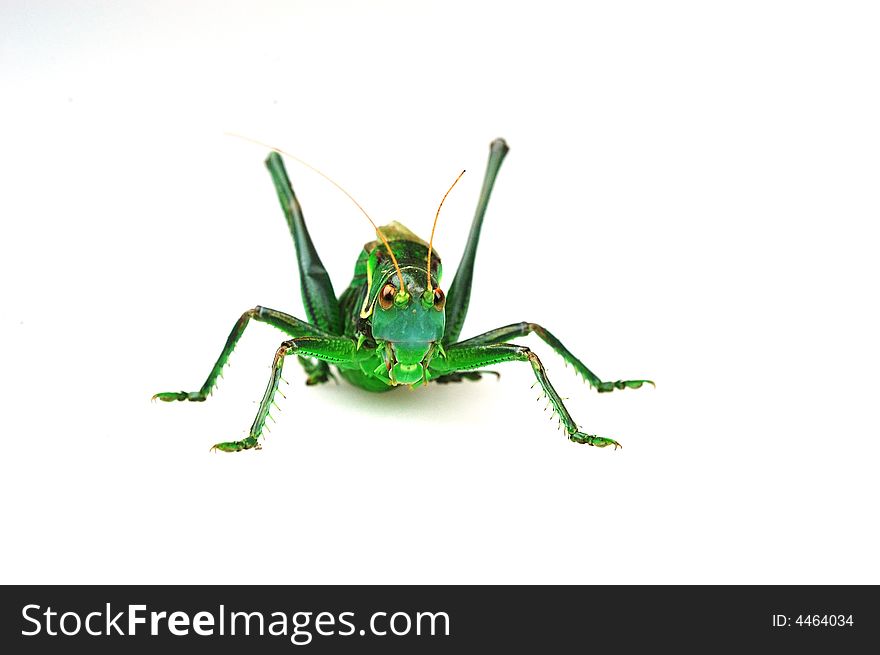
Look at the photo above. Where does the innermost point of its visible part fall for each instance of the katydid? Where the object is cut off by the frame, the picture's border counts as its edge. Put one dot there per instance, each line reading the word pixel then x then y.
pixel 393 325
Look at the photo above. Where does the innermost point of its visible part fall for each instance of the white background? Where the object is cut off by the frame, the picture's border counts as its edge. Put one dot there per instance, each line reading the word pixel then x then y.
pixel 691 196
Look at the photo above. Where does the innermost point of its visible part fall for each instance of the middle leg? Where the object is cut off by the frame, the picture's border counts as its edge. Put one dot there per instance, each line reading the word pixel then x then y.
pixel 458 376
pixel 317 372
pixel 284 322
pixel 522 329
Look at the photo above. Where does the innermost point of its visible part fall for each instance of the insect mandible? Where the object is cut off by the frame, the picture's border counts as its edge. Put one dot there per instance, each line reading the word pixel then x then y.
pixel 393 325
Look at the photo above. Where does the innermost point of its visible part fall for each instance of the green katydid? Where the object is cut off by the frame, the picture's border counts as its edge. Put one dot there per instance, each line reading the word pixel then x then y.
pixel 393 325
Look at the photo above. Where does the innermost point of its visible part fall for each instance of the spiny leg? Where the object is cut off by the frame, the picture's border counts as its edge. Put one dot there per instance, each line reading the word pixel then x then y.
pixel 522 329
pixel 463 358
pixel 285 322
pixel 327 349
pixel 459 294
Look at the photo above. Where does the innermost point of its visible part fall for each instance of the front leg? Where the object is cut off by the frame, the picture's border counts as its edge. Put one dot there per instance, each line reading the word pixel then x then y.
pixel 522 329
pixel 334 350
pixel 463 357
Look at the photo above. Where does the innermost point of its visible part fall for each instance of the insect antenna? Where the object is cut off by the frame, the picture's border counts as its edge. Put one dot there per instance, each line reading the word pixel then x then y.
pixel 350 197
pixel 434 227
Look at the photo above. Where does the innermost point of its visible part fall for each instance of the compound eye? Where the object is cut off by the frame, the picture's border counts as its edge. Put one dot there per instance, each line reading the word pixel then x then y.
pixel 439 299
pixel 386 296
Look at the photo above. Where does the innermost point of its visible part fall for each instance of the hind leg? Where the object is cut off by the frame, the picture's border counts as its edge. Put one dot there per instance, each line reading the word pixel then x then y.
pixel 459 294
pixel 322 308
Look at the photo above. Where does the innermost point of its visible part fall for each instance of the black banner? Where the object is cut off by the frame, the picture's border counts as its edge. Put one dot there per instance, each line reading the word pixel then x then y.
pixel 413 619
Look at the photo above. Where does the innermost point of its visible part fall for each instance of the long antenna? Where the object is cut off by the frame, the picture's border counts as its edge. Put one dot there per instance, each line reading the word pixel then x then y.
pixel 350 197
pixel 434 227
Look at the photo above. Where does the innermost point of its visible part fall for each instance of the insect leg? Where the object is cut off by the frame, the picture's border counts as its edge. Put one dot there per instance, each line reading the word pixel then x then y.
pixel 322 308
pixel 458 376
pixel 327 349
pixel 522 329
pixel 459 294
pixel 468 357
pixel 317 372
pixel 285 322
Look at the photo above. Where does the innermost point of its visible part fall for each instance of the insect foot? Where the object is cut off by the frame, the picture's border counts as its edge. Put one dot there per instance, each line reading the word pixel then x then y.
pixel 593 440
pixel 170 396
pixel 320 377
pixel 236 446
pixel 603 387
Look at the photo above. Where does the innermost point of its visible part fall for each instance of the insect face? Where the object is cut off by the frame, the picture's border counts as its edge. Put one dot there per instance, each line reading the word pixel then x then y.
pixel 410 328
